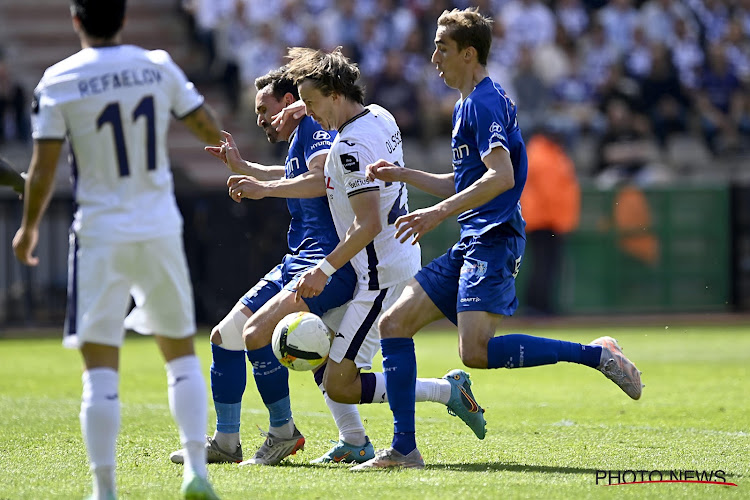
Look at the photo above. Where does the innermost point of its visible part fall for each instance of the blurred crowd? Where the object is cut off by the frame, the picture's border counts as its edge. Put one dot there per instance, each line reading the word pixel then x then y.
pixel 630 73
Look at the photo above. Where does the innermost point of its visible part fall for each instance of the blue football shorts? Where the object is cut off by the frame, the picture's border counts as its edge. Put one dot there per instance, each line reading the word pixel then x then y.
pixel 338 291
pixel 476 274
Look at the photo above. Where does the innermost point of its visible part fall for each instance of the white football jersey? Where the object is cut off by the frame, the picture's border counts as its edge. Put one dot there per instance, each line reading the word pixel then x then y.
pixel 114 104
pixel 370 136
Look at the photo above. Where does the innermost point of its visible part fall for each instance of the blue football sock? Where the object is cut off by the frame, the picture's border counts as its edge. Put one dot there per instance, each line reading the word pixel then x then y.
pixel 272 380
pixel 400 370
pixel 228 380
pixel 517 350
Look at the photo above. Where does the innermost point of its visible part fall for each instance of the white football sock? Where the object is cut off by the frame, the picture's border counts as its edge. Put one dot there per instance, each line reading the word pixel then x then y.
pixel 433 389
pixel 100 423
pixel 437 390
pixel 187 401
pixel 285 431
pixel 347 420
pixel 228 441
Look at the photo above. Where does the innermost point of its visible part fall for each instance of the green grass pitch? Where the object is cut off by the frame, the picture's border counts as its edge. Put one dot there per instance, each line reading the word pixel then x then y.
pixel 549 428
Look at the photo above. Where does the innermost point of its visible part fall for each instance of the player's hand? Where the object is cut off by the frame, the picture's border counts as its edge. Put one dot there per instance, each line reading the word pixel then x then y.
pixel 285 120
pixel 416 224
pixel 311 284
pixel 228 152
pixel 245 186
pixel 383 170
pixel 24 244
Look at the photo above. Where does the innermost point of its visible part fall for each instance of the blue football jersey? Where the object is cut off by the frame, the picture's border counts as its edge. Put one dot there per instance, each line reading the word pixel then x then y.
pixel 484 120
pixel 311 230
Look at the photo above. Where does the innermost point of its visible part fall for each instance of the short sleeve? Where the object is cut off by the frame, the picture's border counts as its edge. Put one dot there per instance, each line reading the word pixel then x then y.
pixel 185 97
pixel 47 121
pixel 490 128
pixel 354 157
pixel 318 141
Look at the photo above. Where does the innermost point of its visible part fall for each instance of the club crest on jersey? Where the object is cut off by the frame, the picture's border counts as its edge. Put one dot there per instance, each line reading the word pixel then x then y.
pixel 350 161
pixel 321 135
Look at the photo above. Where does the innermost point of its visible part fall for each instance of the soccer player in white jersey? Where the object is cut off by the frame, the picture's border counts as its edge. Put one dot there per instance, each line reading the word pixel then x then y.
pixel 473 284
pixel 246 329
pixel 363 212
pixel 113 104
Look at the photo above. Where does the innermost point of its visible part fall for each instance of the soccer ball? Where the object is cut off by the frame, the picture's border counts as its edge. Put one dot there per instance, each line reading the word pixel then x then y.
pixel 301 341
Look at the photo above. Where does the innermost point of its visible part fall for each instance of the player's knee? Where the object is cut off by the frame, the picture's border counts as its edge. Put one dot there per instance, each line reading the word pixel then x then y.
pixel 228 333
pixel 254 337
pixel 388 325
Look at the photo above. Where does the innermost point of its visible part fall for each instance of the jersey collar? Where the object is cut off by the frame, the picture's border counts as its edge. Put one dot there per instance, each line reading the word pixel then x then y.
pixel 347 122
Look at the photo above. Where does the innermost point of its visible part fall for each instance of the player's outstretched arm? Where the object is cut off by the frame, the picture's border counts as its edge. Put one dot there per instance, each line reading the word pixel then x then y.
pixel 311 184
pixel 39 186
pixel 229 153
pixel 10 177
pixel 204 124
pixel 440 185
pixel 498 179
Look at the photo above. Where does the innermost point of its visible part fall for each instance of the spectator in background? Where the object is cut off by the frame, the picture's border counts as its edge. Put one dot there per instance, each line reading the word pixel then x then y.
pixel 660 16
pixel 572 17
pixel 401 97
pixel 598 54
pixel 14 123
pixel 664 101
pixel 737 50
pixel 551 205
pixel 530 93
pixel 206 16
pixel 687 55
pixel 638 59
pixel 341 24
pixel 528 22
pixel 626 151
pixel 619 19
pixel 722 103
pixel 574 105
pixel 258 55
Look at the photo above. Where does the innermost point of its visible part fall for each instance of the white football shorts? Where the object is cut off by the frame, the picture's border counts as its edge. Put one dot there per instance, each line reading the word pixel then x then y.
pixel 103 277
pixel 358 337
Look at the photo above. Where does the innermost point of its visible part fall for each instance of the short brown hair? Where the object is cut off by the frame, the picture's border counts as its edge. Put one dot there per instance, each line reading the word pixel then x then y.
pixel 469 28
pixel 331 72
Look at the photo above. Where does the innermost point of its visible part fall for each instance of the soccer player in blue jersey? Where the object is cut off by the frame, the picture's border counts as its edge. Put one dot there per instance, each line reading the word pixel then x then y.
pixel 473 284
pixel 249 325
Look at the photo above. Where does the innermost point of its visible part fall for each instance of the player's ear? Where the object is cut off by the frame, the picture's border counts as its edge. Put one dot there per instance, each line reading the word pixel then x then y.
pixel 469 52
pixel 289 99
pixel 76 22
